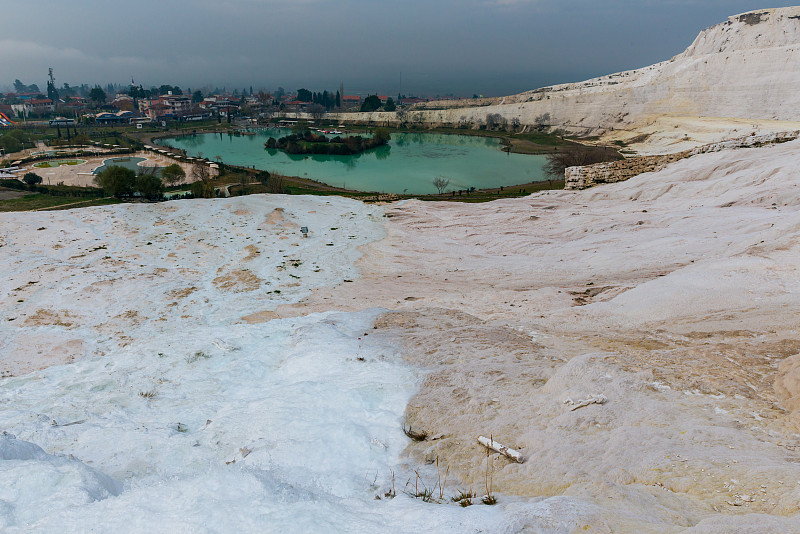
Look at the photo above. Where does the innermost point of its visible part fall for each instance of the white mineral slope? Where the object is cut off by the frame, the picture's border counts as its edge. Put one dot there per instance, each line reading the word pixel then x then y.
pixel 216 404
pixel 148 384
pixel 737 77
pixel 88 282
pixel 675 294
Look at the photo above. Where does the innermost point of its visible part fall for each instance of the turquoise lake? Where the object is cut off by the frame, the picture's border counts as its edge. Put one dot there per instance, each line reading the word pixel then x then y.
pixel 407 165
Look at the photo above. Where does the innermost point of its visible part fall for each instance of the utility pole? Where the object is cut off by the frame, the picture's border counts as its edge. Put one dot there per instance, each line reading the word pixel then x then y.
pixel 52 92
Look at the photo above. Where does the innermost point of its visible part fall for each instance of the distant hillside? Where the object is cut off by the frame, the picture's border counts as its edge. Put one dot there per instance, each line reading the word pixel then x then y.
pixel 746 68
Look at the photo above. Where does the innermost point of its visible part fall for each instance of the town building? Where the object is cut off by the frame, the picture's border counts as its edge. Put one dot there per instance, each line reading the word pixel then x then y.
pixel 37 106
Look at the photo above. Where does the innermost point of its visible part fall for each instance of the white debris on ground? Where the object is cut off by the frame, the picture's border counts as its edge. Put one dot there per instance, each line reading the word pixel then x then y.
pixel 591 399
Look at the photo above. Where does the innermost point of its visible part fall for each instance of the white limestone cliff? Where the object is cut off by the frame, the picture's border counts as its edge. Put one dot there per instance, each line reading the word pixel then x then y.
pixel 736 78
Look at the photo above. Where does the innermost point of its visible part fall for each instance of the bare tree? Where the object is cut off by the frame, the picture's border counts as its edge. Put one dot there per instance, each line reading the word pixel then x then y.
pixel 317 111
pixel 493 120
pixel 276 184
pixel 542 121
pixel 202 186
pixel 402 116
pixel 264 98
pixel 244 180
pixel 147 170
pixel 441 183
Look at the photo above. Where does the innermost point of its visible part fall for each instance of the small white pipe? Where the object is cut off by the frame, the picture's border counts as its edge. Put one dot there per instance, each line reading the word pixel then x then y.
pixel 502 449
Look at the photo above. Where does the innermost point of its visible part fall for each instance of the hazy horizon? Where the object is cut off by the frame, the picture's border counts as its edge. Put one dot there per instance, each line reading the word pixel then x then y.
pixel 489 47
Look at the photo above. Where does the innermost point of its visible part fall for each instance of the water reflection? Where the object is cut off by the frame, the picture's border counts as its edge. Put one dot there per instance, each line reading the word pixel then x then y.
pixel 416 158
pixel 383 152
pixel 192 141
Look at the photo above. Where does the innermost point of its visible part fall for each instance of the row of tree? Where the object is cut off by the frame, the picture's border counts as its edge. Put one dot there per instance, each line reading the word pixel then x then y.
pixel 141 92
pixel 65 91
pixel 324 99
pixel 373 103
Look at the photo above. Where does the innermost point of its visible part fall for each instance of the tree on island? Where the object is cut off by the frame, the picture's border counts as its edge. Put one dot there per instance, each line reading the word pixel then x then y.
pixel 197 96
pixel 381 136
pixel 304 95
pixel 390 105
pixel 304 141
pixel 300 128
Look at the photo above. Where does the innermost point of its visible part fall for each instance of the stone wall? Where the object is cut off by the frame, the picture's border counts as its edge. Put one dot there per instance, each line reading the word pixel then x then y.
pixel 619 171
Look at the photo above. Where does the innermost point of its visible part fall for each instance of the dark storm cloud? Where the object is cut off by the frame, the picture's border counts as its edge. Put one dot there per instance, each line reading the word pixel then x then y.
pixel 484 46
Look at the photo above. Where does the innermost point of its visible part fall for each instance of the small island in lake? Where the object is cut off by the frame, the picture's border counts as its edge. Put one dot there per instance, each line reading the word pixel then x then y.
pixel 308 142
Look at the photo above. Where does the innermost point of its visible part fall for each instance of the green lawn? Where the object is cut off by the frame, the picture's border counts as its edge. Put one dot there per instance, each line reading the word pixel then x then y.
pixel 37 201
pixel 48 164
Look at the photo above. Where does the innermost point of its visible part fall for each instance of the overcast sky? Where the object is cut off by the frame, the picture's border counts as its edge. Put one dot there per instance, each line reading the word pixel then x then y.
pixel 491 47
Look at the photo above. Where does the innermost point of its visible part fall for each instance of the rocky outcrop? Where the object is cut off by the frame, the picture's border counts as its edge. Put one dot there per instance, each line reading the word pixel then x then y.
pixel 619 171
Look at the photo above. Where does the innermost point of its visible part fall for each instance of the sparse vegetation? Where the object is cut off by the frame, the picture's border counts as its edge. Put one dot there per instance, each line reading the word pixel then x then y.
pixel 308 142
pixel 424 493
pixel 489 498
pixel 199 355
pixel 202 187
pixel 577 155
pixel 463 498
pixel 495 121
pixel 441 183
pixel 542 122
pixel 416 436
